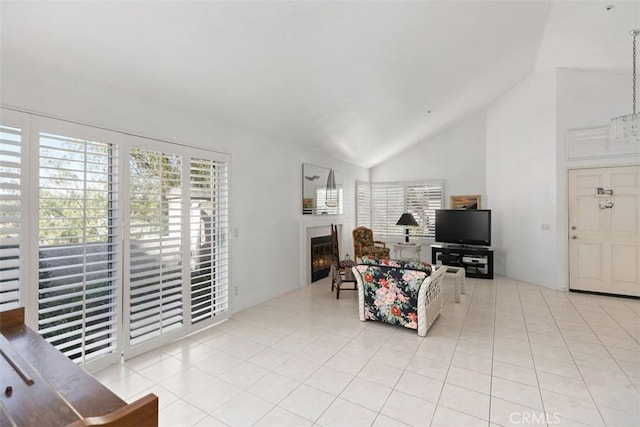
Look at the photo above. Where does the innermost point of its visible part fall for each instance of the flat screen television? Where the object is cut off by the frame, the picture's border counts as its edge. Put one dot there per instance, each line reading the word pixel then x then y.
pixel 464 226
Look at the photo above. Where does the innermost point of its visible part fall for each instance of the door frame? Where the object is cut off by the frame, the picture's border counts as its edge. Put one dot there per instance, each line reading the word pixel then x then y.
pixel 563 193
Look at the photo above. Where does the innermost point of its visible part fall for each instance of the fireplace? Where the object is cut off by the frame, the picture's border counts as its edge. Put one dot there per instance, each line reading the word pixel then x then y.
pixel 313 226
pixel 320 257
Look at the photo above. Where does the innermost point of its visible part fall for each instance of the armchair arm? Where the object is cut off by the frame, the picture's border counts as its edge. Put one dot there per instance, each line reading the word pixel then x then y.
pixel 430 300
pixel 360 284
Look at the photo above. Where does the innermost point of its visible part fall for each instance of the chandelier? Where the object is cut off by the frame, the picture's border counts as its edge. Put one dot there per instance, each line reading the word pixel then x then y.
pixel 626 129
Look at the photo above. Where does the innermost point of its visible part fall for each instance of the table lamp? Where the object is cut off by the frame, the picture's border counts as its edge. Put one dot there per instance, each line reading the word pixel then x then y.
pixel 408 221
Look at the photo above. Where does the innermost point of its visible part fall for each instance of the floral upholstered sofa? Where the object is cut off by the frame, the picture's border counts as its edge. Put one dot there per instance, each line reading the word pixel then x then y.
pixel 404 293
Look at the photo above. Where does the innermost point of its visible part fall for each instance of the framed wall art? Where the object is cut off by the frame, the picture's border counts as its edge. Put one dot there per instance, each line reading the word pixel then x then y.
pixel 465 202
pixel 322 190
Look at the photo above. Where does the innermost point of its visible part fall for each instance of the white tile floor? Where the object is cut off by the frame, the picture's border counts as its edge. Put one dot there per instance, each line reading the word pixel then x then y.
pixel 509 354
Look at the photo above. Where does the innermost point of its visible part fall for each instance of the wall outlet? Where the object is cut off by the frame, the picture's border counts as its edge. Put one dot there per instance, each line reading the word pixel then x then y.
pixel 235 291
pixel 236 233
pixel 545 227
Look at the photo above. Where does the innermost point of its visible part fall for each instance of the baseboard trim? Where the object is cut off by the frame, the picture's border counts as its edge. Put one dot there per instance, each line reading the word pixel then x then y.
pixel 604 294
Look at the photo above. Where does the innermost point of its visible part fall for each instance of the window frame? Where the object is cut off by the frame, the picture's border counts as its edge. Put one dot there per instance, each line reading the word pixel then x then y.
pixel 37 125
pixel 382 220
pixel 31 125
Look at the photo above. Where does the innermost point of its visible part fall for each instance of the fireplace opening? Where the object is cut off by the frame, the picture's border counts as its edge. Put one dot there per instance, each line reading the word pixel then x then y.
pixel 320 257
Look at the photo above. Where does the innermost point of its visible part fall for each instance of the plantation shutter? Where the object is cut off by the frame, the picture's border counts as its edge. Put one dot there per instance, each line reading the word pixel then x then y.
pixel 63 191
pixel 155 225
pixel 208 192
pixel 363 204
pixel 422 201
pixel 388 205
pixel 387 201
pixel 11 233
pixel 78 267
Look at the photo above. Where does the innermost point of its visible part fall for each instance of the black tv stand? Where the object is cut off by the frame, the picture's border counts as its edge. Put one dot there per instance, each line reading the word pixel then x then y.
pixel 482 248
pixel 477 261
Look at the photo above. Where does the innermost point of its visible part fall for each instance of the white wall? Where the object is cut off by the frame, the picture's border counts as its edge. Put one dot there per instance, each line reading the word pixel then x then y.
pixel 521 180
pixel 265 180
pixel 456 155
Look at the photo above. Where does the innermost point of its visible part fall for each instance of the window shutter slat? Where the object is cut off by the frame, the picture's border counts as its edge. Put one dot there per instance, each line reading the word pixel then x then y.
pixel 363 204
pixel 10 210
pixel 70 233
pixel 156 244
pixel 208 238
pixel 77 273
pixel 386 202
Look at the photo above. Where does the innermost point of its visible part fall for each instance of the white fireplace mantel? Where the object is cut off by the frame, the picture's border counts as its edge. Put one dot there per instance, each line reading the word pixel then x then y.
pixel 314 226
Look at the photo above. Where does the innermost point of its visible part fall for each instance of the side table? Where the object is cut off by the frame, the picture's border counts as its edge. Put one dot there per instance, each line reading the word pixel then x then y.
pixel 412 249
pixel 458 275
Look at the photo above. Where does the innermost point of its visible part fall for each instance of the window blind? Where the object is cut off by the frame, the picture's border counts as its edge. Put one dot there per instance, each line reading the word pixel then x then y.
pixel 363 204
pixel 422 200
pixel 61 205
pixel 155 224
pixel 10 212
pixel 208 238
pixel 387 201
pixel 380 205
pixel 78 265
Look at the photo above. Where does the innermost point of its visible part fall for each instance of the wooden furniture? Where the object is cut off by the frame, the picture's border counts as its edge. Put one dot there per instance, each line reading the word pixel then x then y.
pixel 412 249
pixel 363 244
pixel 340 269
pixel 477 262
pixel 41 387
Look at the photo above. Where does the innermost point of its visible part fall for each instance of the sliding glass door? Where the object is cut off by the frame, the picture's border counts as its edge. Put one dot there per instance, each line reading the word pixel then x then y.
pixel 177 270
pixel 104 268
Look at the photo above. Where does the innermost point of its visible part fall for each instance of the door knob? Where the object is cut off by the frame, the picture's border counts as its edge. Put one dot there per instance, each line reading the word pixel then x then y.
pixel 574 237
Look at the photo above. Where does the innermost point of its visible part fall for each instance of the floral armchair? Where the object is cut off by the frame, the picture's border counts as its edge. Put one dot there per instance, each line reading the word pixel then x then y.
pixel 363 244
pixel 401 293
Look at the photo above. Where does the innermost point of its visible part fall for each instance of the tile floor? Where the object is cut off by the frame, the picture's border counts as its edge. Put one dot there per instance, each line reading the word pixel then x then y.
pixel 509 354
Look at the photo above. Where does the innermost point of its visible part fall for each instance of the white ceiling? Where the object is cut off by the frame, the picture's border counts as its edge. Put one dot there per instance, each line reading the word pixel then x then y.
pixel 356 79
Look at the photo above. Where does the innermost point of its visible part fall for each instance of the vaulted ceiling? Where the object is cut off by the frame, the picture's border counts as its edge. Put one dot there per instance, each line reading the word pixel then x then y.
pixel 360 80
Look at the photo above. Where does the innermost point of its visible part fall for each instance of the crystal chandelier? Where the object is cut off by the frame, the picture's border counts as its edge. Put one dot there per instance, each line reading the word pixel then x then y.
pixel 626 129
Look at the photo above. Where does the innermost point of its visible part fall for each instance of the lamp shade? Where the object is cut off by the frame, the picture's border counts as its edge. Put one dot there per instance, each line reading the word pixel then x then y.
pixel 408 220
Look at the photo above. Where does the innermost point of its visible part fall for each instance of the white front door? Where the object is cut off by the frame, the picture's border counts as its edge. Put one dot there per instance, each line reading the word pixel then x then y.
pixel 604 230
